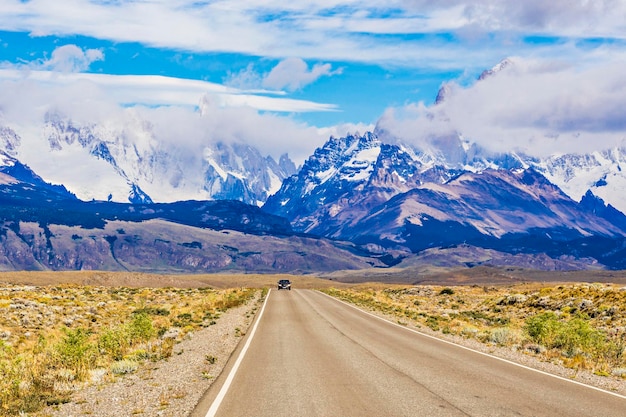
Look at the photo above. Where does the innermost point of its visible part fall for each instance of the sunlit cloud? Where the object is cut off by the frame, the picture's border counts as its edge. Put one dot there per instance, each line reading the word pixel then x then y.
pixel 564 92
pixel 289 74
pixel 328 30
pixel 535 107
pixel 167 91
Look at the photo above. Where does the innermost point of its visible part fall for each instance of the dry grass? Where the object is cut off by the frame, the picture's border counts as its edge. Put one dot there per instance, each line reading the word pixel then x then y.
pixel 580 326
pixel 55 339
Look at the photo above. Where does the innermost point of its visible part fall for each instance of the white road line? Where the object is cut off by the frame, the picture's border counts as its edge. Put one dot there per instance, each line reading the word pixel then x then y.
pixel 220 396
pixel 476 351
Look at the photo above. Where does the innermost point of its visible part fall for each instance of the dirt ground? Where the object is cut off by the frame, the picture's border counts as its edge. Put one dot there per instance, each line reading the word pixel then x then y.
pixel 141 280
pixel 470 276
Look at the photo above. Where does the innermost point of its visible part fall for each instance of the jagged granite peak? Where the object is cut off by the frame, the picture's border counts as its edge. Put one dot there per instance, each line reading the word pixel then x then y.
pixel 340 165
pixel 126 160
pixel 443 93
pixel 240 170
pixel 446 88
pixel 500 66
pixel 9 141
pixel 348 176
pixel 601 172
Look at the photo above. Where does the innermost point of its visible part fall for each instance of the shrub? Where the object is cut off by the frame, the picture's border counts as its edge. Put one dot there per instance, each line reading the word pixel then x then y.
pixel 114 343
pixel 125 366
pixel 572 337
pixel 75 352
pixel 141 329
pixel 543 328
pixel 502 336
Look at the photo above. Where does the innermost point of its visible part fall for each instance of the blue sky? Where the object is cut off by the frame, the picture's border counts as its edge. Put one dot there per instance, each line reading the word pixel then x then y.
pixel 333 66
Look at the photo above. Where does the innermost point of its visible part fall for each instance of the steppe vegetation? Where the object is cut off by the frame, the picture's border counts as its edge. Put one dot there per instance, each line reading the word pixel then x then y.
pixel 56 339
pixel 579 326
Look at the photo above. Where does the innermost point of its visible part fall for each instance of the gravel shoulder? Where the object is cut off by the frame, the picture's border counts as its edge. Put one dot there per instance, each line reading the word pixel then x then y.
pixel 169 388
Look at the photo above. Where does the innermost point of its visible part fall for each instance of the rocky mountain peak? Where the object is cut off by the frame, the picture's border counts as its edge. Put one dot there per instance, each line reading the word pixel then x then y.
pixel 502 65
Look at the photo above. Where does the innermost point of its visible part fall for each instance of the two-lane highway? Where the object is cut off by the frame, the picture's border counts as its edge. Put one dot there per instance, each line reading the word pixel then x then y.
pixel 312 355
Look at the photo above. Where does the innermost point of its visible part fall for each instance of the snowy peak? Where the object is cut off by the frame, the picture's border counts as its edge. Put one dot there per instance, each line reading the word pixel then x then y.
pixel 502 65
pixel 600 172
pixel 339 170
pixel 9 141
pixel 349 158
pixel 126 160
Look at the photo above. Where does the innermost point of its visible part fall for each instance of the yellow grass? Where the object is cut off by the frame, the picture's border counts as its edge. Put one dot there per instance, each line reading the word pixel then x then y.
pixel 56 338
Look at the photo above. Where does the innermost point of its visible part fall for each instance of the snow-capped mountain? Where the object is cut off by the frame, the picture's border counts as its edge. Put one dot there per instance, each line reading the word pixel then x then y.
pixel 355 172
pixel 575 173
pixel 598 172
pixel 128 162
pixel 360 189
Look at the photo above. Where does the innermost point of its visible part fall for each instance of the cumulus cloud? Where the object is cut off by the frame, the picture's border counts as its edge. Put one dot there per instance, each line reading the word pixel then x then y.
pixel 71 58
pixel 537 107
pixel 294 73
pixel 289 74
pixel 64 59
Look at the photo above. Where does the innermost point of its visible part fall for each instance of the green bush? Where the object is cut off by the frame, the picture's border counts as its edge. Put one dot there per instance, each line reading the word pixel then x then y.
pixel 543 328
pixel 75 352
pixel 141 329
pixel 114 343
pixel 572 337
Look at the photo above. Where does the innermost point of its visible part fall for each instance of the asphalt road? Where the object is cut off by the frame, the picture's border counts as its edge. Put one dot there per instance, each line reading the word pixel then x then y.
pixel 314 356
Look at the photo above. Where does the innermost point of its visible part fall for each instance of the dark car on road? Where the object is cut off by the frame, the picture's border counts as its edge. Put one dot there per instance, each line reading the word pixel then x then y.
pixel 284 284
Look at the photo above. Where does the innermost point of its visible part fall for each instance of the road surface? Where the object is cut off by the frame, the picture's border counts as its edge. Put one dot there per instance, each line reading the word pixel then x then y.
pixel 311 355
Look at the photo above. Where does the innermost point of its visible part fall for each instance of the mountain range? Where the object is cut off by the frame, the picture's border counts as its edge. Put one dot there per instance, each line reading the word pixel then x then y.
pixel 78 195
pixel 126 161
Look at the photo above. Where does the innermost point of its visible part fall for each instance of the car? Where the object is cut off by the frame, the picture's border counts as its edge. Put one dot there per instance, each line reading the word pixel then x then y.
pixel 284 284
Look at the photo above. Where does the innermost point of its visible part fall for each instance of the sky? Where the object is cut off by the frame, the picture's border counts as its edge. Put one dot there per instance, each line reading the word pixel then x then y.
pixel 285 76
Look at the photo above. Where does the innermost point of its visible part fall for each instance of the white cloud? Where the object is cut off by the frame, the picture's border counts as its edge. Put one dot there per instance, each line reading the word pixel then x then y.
pixel 289 74
pixel 294 73
pixel 71 58
pixel 158 90
pixel 64 59
pixel 24 102
pixel 331 30
pixel 537 107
